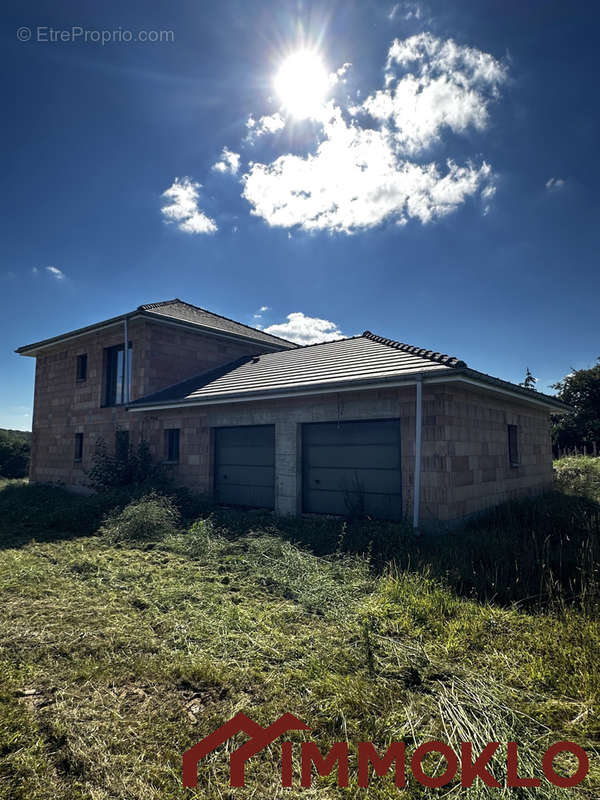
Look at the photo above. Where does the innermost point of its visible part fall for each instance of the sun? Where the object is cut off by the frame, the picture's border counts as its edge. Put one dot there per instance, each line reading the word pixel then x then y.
pixel 302 84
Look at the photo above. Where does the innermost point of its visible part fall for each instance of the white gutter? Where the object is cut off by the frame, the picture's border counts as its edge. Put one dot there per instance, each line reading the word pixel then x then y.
pixel 226 400
pixel 418 447
pixel 493 388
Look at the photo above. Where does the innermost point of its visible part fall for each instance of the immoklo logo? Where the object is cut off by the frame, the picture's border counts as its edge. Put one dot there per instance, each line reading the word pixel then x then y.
pixel 311 757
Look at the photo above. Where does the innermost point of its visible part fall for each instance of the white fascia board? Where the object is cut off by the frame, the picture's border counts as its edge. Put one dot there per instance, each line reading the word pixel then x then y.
pixel 229 400
pixel 193 326
pixel 497 389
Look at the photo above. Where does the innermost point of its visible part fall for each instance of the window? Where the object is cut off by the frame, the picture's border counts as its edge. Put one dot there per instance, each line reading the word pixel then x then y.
pixel 513 445
pixel 81 372
pixel 114 373
pixel 172 444
pixel 122 445
pixel 78 447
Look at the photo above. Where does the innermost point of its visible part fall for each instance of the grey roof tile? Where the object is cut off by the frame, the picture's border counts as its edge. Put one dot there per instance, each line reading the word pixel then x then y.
pixel 357 359
pixel 186 312
pixel 360 360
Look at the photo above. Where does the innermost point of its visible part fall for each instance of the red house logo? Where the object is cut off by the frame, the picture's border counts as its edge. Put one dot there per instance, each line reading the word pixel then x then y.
pixel 259 739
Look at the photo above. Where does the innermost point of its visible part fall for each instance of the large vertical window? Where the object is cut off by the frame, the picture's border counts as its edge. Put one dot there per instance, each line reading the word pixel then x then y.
pixel 513 445
pixel 114 372
pixel 172 444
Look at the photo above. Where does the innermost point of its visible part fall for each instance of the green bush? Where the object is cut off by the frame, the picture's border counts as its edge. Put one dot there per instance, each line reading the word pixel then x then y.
pixel 150 518
pixel 578 475
pixel 128 466
pixel 14 455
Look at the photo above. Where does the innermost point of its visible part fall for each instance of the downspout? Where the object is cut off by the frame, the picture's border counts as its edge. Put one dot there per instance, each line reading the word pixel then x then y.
pixel 418 444
pixel 126 365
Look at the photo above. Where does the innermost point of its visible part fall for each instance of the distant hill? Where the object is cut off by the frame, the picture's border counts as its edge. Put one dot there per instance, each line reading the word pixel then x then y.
pixel 9 433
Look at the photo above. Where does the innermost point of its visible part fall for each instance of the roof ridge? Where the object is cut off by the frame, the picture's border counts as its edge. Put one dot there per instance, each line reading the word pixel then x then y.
pixel 214 314
pixel 440 358
pixel 327 341
pixel 145 306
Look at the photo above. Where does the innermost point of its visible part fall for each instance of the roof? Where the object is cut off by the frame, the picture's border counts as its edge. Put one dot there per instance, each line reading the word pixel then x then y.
pixel 180 310
pixel 176 312
pixel 357 362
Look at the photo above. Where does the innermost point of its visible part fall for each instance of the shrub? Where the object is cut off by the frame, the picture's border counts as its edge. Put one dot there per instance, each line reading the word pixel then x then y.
pixel 202 539
pixel 127 467
pixel 14 455
pixel 147 519
pixel 578 475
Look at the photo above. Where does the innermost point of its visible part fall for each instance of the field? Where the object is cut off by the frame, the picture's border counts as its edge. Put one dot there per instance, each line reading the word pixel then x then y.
pixel 118 653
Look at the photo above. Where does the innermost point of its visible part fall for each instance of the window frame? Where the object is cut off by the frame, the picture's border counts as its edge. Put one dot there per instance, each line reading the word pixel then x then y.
pixel 514 453
pixel 172 445
pixel 81 374
pixel 114 375
pixel 78 453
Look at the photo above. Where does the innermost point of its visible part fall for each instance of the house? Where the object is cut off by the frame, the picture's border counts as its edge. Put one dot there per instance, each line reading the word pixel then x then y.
pixel 358 425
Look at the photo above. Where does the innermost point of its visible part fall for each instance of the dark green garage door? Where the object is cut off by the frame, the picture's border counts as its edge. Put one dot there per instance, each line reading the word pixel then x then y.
pixel 245 466
pixel 352 468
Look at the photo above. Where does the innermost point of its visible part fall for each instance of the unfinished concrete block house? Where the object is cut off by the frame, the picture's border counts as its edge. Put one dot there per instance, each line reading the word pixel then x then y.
pixel 360 425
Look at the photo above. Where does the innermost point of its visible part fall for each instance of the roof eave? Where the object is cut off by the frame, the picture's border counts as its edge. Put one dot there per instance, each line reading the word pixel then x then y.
pixel 447 375
pixel 473 377
pixel 33 349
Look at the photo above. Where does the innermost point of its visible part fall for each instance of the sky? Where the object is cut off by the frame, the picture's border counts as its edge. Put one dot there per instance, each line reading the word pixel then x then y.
pixel 426 171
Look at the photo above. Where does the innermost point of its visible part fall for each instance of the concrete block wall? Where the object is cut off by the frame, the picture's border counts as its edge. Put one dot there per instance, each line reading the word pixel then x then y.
pixel 196 463
pixel 161 355
pixel 465 465
pixel 478 471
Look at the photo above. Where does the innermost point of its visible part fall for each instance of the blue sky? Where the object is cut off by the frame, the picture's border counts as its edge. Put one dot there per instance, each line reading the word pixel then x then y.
pixel 439 185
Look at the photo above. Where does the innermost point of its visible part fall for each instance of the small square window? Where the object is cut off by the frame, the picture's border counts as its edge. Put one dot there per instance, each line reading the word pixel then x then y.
pixel 172 444
pixel 81 372
pixel 513 445
pixel 78 456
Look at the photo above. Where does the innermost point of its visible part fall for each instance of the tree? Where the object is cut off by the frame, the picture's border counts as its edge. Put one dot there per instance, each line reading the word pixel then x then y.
pixel 14 455
pixel 580 427
pixel 529 381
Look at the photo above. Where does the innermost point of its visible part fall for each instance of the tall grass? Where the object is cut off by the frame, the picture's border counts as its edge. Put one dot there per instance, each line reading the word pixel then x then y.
pixel 137 649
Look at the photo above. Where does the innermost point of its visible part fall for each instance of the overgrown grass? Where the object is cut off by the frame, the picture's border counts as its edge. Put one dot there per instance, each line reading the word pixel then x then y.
pixel 116 657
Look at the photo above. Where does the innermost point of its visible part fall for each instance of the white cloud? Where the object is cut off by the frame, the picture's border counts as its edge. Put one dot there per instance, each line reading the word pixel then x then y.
pixel 229 162
pixel 305 330
pixel 183 208
pixel 407 11
pixel 261 310
pixel 449 86
pixel 355 181
pixel 264 125
pixel 56 273
pixel 552 184
pixel 35 271
pixel 363 173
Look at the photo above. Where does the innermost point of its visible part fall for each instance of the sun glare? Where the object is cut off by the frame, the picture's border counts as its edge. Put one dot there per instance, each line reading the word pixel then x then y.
pixel 302 84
